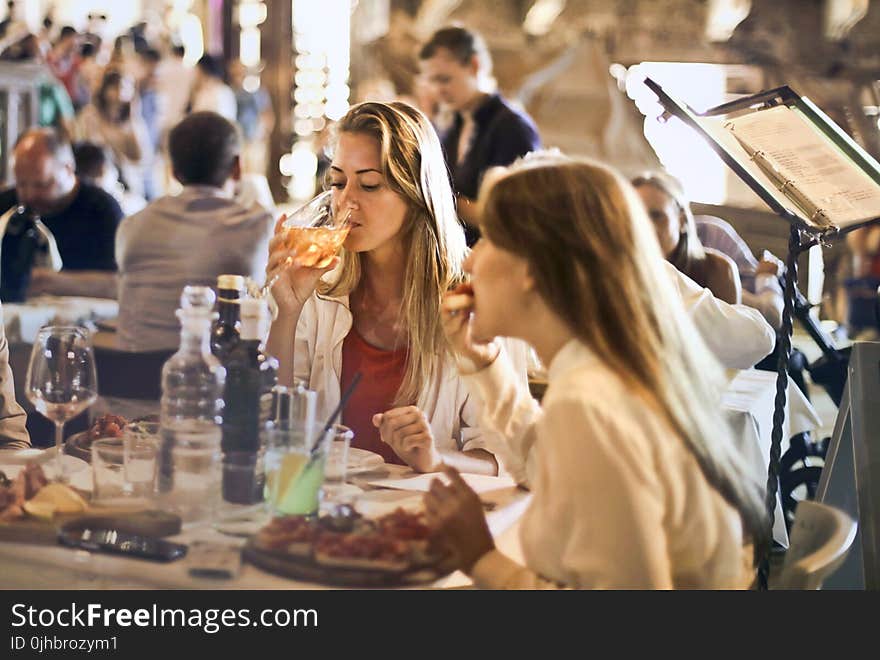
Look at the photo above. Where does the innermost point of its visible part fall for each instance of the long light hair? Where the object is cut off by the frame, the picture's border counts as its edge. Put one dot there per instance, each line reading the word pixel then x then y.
pixel 597 264
pixel 414 168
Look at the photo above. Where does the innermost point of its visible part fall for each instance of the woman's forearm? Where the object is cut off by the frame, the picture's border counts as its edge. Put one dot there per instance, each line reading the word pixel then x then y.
pixel 474 461
pixel 280 344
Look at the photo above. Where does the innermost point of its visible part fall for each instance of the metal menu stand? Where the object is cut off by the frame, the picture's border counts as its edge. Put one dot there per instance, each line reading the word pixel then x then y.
pixel 805 231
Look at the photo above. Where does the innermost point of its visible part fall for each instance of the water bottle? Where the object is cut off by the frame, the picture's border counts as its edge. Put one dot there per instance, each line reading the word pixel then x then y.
pixel 192 408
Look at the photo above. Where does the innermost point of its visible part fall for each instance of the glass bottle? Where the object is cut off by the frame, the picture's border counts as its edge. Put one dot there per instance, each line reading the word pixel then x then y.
pixel 191 416
pixel 225 332
pixel 250 377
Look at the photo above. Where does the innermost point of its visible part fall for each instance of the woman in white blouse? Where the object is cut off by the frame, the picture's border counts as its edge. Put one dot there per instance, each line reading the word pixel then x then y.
pixel 377 309
pixel 635 481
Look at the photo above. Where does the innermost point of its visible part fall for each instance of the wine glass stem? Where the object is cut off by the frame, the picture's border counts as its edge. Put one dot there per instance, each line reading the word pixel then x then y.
pixel 59 441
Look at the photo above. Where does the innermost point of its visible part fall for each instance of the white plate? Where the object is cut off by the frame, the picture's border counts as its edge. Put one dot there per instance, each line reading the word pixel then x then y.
pixel 361 460
pixel 12 461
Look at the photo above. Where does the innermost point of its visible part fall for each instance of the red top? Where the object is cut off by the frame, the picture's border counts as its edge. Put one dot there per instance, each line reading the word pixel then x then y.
pixel 382 373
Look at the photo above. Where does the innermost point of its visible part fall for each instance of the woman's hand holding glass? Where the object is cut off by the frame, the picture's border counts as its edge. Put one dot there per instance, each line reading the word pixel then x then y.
pixel 409 434
pixel 455 316
pixel 455 514
pixel 292 283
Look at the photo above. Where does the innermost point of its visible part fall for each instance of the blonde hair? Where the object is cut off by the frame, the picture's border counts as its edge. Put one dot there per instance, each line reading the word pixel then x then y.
pixel 597 264
pixel 414 168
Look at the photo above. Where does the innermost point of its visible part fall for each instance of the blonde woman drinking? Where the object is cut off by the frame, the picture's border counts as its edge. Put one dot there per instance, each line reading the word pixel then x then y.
pixel 635 481
pixel 376 309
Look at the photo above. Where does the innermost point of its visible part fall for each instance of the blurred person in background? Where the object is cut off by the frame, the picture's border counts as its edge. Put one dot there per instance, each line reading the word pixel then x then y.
pixel 89 73
pixel 94 165
pixel 63 60
pixel 256 118
pixel 152 105
pixel 113 119
pixel 487 130
pixel 174 79
pixel 81 217
pixel 760 279
pixel 55 107
pixel 673 222
pixel 210 93
pixel 189 238
pixel 862 293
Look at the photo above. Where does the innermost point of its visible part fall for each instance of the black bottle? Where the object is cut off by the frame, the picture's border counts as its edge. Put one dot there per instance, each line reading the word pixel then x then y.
pixel 224 334
pixel 250 377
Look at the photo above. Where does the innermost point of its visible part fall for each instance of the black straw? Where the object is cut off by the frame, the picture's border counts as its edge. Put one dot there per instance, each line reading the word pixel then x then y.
pixel 336 413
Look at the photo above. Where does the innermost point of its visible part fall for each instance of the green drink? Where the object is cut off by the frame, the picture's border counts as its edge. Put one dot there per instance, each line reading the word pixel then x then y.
pixel 294 482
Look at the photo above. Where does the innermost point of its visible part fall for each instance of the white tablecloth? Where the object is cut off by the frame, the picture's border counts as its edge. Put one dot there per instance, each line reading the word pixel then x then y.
pixel 23 320
pixel 748 405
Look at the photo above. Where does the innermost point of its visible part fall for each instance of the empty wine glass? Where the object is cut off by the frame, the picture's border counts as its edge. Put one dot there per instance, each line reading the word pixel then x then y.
pixel 61 380
pixel 313 233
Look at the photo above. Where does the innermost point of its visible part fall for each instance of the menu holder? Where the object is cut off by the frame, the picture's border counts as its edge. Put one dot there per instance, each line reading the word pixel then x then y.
pixel 795 158
pixel 812 175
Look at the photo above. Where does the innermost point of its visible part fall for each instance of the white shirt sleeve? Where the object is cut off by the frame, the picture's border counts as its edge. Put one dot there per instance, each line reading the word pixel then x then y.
pixel 475 434
pixel 767 299
pixel 737 335
pixel 509 411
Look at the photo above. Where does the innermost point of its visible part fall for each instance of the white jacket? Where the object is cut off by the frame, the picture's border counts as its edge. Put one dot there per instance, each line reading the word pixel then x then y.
pixel 736 334
pixel 451 406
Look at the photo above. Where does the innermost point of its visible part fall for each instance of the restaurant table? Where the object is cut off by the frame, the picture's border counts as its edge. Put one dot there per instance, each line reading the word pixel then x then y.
pixel 23 320
pixel 748 406
pixel 30 566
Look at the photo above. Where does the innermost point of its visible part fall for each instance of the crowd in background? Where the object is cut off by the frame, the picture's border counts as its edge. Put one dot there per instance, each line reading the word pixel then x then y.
pixel 124 97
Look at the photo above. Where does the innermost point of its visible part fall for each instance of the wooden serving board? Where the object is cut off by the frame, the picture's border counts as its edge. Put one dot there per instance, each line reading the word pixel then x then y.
pixel 128 520
pixel 306 569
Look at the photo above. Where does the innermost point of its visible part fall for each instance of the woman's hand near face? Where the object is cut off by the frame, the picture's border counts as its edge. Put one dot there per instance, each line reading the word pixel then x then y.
pixel 455 312
pixel 455 514
pixel 410 436
pixel 295 283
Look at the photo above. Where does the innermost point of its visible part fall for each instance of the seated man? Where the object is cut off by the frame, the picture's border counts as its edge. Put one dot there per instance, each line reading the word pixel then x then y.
pixel 13 434
pixel 81 217
pixel 189 238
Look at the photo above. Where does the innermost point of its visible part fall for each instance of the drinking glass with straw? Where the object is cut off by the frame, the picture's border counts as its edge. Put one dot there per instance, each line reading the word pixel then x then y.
pixel 295 453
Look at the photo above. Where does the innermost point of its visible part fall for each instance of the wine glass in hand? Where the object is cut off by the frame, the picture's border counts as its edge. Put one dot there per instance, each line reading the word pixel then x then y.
pixel 312 235
pixel 61 380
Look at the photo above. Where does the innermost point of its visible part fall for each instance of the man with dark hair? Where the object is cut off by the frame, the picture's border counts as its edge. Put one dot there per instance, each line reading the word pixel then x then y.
pixel 81 217
pixel 189 238
pixel 487 131
pixel 191 141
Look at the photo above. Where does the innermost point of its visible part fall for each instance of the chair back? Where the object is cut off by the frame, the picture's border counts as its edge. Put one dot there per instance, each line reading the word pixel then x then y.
pixel 127 375
pixel 820 540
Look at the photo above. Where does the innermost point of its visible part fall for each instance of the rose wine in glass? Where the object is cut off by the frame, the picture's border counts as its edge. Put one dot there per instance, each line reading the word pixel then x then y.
pixel 61 380
pixel 313 233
